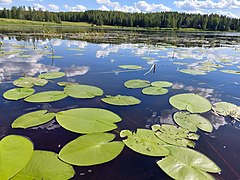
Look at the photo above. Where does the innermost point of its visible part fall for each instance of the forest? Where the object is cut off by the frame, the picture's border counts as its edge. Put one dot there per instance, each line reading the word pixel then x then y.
pixel 211 22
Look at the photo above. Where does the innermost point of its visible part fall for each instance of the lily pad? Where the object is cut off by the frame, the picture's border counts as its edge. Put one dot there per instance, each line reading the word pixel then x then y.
pixel 192 72
pixel 230 71
pixel 154 91
pixel 47 96
pixel 33 119
pixel 175 135
pixel 136 83
pixel 83 91
pixel 192 122
pixel 161 84
pixel 120 100
pixel 130 67
pixel 18 93
pixel 91 149
pixel 190 102
pixel 15 152
pixel 144 142
pixel 185 163
pixel 29 82
pixel 227 109
pixel 88 120
pixel 66 83
pixel 55 57
pixel 51 75
pixel 45 165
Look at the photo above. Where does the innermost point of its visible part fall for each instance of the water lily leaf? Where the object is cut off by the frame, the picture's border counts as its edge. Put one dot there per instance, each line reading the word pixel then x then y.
pixel 190 102
pixel 15 152
pixel 66 83
pixel 191 71
pixel 130 67
pixel 175 135
pixel 136 83
pixel 185 163
pixel 144 142
pixel 83 91
pixel 18 93
pixel 230 71
pixel 161 84
pixel 51 75
pixel 227 109
pixel 120 100
pixel 180 63
pixel 33 119
pixel 88 120
pixel 206 68
pixel 45 165
pixel 154 91
pixel 29 82
pixel 91 149
pixel 55 57
pixel 47 96
pixel 192 122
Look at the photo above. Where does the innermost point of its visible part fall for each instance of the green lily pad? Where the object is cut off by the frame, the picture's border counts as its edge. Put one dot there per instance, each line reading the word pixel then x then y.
pixel 174 135
pixel 185 163
pixel 207 68
pixel 55 57
pixel 180 63
pixel 136 83
pixel 66 83
pixel 120 100
pixel 190 102
pixel 83 91
pixel 47 96
pixel 51 75
pixel 29 82
pixel 130 67
pixel 24 56
pixel 161 84
pixel 91 149
pixel 18 93
pixel 227 109
pixel 154 91
pixel 230 71
pixel 192 122
pixel 144 142
pixel 33 119
pixel 45 165
pixel 88 120
pixel 192 72
pixel 15 152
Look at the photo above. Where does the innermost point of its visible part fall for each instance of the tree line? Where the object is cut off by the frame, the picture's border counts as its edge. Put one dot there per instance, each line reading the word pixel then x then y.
pixel 212 22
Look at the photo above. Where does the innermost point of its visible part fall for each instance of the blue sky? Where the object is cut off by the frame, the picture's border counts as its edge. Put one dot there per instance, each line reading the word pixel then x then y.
pixel 225 7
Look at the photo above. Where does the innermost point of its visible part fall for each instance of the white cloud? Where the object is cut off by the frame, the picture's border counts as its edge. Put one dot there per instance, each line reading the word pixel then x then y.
pixel 39 6
pixel 103 8
pixel 54 7
pixel 5 1
pixel 77 8
pixel 146 7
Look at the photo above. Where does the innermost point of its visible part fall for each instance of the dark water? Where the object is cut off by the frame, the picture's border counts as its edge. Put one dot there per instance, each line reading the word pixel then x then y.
pixel 97 64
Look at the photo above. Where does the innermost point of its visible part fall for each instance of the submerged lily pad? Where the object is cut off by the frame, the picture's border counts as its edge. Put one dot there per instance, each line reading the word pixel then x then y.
pixel 230 71
pixel 18 93
pixel 161 84
pixel 192 122
pixel 47 96
pixel 15 152
pixel 130 67
pixel 88 120
pixel 120 100
pixel 33 119
pixel 66 83
pixel 29 82
pixel 91 149
pixel 190 102
pixel 175 135
pixel 136 83
pixel 154 91
pixel 83 91
pixel 51 75
pixel 193 72
pixel 144 142
pixel 45 165
pixel 227 109
pixel 185 163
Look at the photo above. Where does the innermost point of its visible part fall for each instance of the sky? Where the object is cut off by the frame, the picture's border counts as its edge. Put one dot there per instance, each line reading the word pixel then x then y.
pixel 230 8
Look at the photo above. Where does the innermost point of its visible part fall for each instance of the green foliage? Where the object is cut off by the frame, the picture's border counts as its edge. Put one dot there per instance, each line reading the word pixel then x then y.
pixel 136 83
pixel 47 96
pixel 51 75
pixel 18 93
pixel 120 100
pixel 154 91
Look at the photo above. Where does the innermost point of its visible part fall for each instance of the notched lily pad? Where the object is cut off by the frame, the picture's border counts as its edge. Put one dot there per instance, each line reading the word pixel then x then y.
pixel 120 100
pixel 66 83
pixel 190 102
pixel 227 109
pixel 92 149
pixel 47 96
pixel 18 93
pixel 88 120
pixel 130 67
pixel 51 75
pixel 161 84
pixel 29 82
pixel 192 72
pixel 154 91
pixel 145 142
pixel 33 119
pixel 136 83
pixel 55 57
